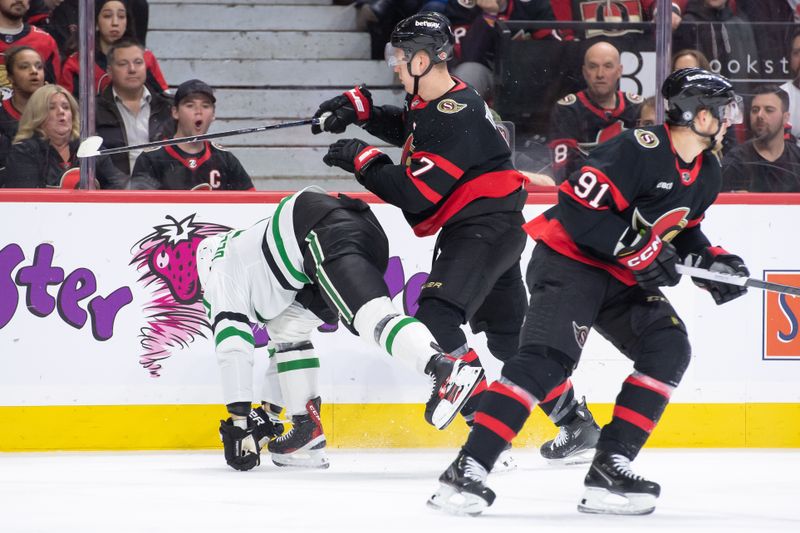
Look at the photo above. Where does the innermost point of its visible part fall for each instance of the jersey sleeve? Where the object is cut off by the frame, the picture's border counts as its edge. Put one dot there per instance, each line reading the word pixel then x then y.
pixel 563 141
pixel 237 177
pixel 592 200
pixel 388 124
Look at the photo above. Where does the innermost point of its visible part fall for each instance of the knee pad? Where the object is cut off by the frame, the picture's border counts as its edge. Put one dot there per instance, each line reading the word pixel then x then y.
pixel 663 353
pixel 538 369
pixel 444 321
pixel 502 345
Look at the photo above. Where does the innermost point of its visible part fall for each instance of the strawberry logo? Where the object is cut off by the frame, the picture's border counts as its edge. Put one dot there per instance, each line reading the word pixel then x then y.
pixel 174 259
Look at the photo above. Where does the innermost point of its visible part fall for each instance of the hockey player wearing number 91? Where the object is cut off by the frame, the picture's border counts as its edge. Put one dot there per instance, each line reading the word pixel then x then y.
pixel 621 224
pixel 455 175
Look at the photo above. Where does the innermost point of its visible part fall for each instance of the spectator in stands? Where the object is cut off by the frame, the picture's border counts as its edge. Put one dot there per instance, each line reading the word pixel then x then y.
pixel 25 71
pixel 769 162
pixel 198 165
pixel 378 17
pixel 617 11
pixel 771 40
pixel 792 87
pixel 647 113
pixel 581 121
pixel 689 58
pixel 39 13
pixel 15 32
pixel 127 112
pixel 726 42
pixel 476 39
pixel 47 142
pixel 112 17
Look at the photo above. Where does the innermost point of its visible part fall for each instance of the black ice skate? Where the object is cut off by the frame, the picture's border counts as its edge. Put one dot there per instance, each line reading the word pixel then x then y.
pixel 453 383
pixel 610 477
pixel 266 423
pixel 304 445
pixel 462 490
pixel 575 441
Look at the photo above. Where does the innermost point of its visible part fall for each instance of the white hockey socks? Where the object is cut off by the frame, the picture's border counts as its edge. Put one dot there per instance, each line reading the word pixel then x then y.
pixel 234 348
pixel 298 374
pixel 402 336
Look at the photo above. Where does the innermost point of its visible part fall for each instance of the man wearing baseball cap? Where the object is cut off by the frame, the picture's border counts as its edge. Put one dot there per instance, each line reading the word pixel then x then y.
pixel 199 165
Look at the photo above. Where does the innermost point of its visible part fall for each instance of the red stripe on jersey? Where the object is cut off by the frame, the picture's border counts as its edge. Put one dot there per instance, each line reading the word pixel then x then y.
pixel 553 234
pixel 593 193
pixel 423 188
pixel 558 391
pixel 695 222
pixel 495 426
pixel 198 161
pixel 603 113
pixel 440 162
pixel 515 392
pixel 10 109
pixel 489 185
pixel 646 382
pixel 568 189
pixel 640 421
pixel 717 250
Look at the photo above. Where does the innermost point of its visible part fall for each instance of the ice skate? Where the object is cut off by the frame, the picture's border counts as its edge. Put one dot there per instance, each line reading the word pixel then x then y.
pixel 266 423
pixel 453 383
pixel 613 488
pixel 505 461
pixel 575 441
pixel 304 445
pixel 462 490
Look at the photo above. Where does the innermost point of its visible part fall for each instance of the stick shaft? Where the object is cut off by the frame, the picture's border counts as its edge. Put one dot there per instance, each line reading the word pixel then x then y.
pixel 204 137
pixel 737 280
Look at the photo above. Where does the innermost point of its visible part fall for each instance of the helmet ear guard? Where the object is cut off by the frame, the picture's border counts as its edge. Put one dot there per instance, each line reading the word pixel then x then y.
pixel 690 90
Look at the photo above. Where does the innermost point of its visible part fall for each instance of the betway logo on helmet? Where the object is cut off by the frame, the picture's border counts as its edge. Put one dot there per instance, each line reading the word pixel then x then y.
pixel 427 24
pixel 701 77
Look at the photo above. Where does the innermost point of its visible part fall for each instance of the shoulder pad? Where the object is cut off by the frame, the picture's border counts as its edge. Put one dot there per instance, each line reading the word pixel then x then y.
pixel 450 106
pixel 635 98
pixel 219 146
pixel 648 139
pixel 568 100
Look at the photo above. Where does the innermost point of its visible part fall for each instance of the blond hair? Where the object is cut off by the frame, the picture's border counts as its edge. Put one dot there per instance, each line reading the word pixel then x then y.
pixel 36 111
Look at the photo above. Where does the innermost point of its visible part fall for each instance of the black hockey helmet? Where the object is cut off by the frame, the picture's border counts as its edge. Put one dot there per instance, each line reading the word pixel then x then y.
pixel 427 31
pixel 689 90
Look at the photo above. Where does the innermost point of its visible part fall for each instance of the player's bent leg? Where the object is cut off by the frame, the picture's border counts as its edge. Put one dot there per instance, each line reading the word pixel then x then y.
pixel 578 432
pixel 661 357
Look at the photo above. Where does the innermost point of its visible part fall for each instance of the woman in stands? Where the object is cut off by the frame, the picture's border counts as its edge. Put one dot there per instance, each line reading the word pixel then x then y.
pixel 44 150
pixel 25 71
pixel 113 22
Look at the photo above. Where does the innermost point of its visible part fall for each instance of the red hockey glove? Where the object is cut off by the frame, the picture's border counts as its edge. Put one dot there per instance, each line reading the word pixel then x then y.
pixel 351 107
pixel 353 155
pixel 651 260
pixel 717 259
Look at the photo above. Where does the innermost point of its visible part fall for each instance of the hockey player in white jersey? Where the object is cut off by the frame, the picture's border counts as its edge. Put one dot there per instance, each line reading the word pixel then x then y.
pixel 317 257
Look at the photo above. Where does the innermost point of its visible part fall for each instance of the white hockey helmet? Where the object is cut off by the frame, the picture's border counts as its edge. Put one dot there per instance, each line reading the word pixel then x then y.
pixel 205 254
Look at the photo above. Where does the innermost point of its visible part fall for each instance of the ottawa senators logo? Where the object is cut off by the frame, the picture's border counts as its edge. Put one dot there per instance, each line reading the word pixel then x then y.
pixel 635 98
pixel 581 334
pixel 568 100
pixel 646 138
pixel 667 226
pixel 450 106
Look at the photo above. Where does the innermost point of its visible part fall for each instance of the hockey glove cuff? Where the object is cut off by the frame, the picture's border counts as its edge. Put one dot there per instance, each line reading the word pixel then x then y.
pixel 353 155
pixel 241 450
pixel 717 259
pixel 651 260
pixel 351 107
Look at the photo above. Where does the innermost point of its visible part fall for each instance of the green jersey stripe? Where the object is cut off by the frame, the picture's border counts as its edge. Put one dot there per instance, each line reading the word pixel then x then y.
pixel 276 235
pixel 299 364
pixel 231 331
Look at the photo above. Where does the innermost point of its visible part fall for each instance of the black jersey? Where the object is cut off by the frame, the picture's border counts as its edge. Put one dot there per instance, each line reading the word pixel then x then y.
pixel 578 125
pixel 9 124
pixel 455 164
pixel 743 169
pixel 634 180
pixel 170 168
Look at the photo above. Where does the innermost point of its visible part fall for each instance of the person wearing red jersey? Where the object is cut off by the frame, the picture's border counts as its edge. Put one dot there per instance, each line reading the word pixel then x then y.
pixel 621 225
pixel 114 22
pixel 198 165
pixel 15 32
pixel 581 121
pixel 612 11
pixel 25 71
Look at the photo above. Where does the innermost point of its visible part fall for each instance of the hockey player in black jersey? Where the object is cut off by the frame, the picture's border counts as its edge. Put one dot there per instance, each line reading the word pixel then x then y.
pixel 455 177
pixel 622 223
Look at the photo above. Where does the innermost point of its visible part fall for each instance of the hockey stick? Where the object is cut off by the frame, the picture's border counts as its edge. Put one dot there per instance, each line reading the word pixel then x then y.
pixel 90 147
pixel 741 281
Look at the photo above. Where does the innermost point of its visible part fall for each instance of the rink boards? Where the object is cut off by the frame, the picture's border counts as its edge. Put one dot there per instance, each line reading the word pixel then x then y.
pixel 104 347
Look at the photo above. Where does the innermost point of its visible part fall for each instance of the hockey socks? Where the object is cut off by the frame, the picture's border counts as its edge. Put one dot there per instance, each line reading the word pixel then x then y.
pixel 559 405
pixel 639 406
pixel 298 374
pixel 503 410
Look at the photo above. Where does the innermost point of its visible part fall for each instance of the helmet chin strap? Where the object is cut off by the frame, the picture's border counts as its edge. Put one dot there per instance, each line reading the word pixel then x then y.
pixel 712 137
pixel 416 78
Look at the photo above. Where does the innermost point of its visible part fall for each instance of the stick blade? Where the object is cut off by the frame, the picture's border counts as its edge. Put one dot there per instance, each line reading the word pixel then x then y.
pixel 90 147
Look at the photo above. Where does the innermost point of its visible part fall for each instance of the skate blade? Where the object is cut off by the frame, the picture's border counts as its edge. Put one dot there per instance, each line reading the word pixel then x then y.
pixel 505 463
pixel 580 458
pixel 467 378
pixel 317 459
pixel 601 501
pixel 451 501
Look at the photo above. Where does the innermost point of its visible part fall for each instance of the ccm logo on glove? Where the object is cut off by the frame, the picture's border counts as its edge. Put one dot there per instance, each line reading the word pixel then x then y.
pixel 645 256
pixel 365 156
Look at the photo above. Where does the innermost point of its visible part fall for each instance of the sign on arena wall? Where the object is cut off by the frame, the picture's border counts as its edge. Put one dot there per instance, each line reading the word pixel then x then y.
pixel 99 304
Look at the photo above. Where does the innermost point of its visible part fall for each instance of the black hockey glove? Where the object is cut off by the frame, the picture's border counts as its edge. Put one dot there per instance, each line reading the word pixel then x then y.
pixel 651 260
pixel 265 424
pixel 240 447
pixel 351 107
pixel 717 259
pixel 353 155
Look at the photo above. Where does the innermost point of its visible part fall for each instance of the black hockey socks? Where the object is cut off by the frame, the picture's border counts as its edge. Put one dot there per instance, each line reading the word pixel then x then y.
pixel 559 405
pixel 502 412
pixel 639 406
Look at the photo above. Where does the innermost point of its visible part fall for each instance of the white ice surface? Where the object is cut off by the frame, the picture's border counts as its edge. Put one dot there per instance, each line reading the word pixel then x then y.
pixel 377 491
